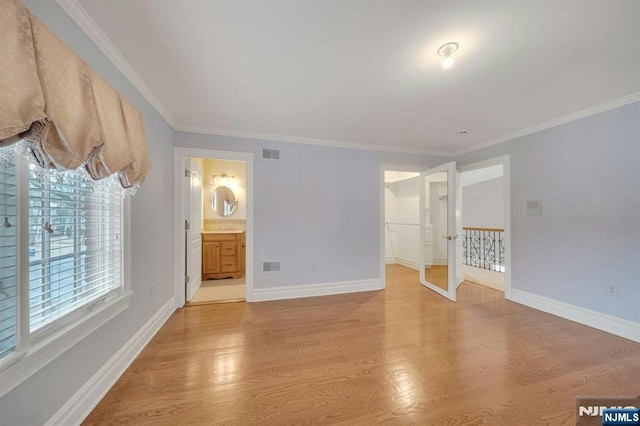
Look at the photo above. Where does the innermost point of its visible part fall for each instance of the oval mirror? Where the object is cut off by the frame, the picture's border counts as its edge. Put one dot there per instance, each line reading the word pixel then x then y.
pixel 223 201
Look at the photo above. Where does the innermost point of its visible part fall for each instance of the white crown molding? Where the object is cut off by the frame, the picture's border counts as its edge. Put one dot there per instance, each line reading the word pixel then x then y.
pixel 93 31
pixel 309 141
pixel 616 103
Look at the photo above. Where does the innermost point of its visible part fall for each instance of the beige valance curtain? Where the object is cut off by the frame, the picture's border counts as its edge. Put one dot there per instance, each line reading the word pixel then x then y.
pixel 64 113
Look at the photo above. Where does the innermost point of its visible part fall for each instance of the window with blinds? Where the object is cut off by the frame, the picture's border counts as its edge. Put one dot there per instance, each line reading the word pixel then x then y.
pixel 62 261
pixel 8 258
pixel 75 247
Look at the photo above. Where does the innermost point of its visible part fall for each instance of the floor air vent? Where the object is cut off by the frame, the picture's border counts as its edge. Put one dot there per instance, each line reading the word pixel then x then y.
pixel 271 154
pixel 270 266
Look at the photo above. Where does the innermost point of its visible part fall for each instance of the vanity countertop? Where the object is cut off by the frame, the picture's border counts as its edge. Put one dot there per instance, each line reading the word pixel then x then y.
pixel 228 231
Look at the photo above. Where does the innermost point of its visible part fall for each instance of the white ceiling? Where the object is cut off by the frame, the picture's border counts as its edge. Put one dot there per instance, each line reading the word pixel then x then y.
pixel 367 72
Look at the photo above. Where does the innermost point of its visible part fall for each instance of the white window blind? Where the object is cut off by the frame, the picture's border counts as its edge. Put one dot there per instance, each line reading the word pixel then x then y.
pixel 8 258
pixel 62 264
pixel 75 246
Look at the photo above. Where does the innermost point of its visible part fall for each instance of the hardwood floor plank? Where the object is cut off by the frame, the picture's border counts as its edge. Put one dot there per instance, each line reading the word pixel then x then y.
pixel 400 356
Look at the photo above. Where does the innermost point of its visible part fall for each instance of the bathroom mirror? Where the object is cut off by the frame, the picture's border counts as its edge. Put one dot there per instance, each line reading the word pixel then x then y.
pixel 223 201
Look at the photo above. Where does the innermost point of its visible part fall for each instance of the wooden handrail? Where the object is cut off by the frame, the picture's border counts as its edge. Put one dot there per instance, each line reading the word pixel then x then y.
pixel 484 229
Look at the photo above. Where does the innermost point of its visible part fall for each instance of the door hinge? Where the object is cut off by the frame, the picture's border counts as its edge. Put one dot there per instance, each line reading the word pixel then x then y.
pixel 186 279
pixel 186 225
pixel 187 173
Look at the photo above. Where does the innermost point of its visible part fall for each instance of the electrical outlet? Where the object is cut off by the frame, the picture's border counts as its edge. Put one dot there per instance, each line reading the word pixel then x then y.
pixel 612 290
pixel 152 290
pixel 314 267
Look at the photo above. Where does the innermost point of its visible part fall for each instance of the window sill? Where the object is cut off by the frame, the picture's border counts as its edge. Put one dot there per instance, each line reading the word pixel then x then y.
pixel 45 351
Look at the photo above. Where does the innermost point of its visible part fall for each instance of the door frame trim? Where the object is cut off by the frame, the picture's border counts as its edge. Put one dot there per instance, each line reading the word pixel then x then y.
pixel 505 161
pixel 180 153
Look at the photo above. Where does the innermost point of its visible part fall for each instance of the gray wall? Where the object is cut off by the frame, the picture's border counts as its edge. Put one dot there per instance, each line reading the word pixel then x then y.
pixel 483 204
pixel 38 398
pixel 587 174
pixel 316 204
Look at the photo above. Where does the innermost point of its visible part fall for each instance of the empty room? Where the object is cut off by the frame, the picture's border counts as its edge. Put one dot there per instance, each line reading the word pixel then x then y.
pixel 279 212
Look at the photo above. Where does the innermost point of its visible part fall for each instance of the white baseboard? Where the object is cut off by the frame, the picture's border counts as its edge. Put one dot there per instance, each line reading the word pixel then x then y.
pixel 440 262
pixel 313 290
pixel 79 406
pixel 408 263
pixel 389 260
pixel 485 277
pixel 614 325
pixel 193 287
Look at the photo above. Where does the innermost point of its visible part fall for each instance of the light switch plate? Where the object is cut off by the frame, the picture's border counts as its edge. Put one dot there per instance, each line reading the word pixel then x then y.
pixel 534 208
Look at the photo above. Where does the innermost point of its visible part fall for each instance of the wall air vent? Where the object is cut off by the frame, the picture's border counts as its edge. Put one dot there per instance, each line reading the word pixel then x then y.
pixel 270 266
pixel 271 154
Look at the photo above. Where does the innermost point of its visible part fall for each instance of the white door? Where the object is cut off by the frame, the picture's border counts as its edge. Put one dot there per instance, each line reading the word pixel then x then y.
pixel 193 233
pixel 440 217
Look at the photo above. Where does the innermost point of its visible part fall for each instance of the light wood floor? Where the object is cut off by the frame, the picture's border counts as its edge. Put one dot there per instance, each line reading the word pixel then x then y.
pixel 400 356
pixel 438 275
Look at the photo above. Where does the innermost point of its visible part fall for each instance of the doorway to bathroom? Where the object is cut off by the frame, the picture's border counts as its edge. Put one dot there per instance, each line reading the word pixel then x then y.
pixel 213 235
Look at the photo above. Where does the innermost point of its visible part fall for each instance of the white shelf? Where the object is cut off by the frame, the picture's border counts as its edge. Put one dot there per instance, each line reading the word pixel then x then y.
pixel 402 182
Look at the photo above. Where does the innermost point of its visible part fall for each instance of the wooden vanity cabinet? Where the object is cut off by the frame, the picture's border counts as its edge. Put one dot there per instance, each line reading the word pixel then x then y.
pixel 210 257
pixel 222 256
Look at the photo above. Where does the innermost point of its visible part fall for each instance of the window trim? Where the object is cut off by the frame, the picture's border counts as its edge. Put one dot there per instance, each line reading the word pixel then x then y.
pixel 31 355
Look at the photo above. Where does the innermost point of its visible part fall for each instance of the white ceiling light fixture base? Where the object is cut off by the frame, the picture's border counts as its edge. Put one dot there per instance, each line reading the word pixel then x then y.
pixel 447 50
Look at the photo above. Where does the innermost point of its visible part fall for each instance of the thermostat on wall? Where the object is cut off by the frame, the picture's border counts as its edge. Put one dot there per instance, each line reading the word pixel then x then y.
pixel 534 208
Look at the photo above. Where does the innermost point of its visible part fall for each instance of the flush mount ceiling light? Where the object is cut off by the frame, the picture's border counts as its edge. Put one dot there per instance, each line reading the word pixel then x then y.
pixel 447 50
